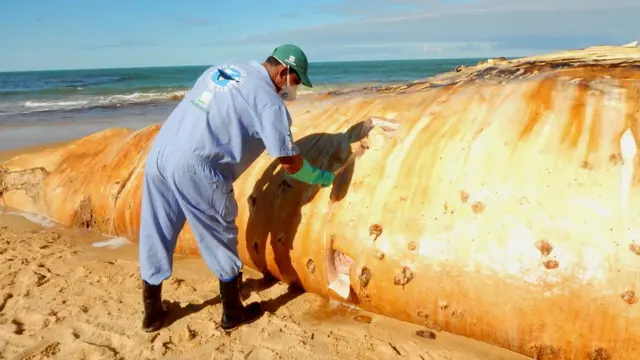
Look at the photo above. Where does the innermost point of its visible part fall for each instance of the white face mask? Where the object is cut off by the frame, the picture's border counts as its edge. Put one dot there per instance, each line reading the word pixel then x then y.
pixel 289 92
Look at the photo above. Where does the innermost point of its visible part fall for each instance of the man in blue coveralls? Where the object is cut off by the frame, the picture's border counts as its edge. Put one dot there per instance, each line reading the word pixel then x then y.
pixel 231 115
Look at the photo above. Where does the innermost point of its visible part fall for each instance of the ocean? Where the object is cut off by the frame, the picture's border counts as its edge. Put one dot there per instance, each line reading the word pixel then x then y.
pixel 135 97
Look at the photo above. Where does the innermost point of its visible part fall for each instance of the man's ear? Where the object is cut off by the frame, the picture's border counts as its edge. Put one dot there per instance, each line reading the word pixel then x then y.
pixel 283 71
pixel 281 76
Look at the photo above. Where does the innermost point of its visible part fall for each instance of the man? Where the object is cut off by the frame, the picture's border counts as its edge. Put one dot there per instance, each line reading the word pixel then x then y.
pixel 230 116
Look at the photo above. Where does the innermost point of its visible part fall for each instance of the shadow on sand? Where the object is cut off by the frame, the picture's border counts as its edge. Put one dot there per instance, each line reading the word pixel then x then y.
pixel 175 311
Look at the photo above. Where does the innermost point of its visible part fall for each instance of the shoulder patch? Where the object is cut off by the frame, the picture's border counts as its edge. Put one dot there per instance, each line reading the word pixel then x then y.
pixel 225 77
pixel 202 102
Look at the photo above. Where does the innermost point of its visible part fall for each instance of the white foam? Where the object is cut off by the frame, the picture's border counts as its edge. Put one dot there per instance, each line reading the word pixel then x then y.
pixel 87 102
pixel 34 218
pixel 112 243
pixel 51 104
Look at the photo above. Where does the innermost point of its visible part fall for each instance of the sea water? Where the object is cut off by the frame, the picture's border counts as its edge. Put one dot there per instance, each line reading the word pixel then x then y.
pixel 24 93
pixel 85 101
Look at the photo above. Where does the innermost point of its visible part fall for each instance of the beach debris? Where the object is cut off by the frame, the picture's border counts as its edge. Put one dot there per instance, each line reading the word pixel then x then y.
pixel 395 349
pixel 426 334
pixel 112 243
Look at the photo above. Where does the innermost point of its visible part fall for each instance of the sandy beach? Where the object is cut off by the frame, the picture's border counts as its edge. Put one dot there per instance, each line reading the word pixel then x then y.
pixel 62 297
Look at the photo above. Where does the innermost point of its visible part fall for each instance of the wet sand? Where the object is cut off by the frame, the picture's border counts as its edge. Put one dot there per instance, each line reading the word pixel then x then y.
pixel 17 137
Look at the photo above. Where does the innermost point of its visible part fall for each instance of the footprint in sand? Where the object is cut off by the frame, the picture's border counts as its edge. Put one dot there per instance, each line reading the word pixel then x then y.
pixel 5 300
pixel 41 279
pixel 19 327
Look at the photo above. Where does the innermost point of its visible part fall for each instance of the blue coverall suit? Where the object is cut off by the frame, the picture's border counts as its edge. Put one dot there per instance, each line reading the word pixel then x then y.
pixel 223 124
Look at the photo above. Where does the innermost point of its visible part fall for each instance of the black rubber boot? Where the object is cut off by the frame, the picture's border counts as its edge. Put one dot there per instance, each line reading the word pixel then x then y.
pixel 153 312
pixel 234 313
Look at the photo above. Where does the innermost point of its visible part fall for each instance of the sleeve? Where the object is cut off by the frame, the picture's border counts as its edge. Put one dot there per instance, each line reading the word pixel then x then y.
pixel 273 125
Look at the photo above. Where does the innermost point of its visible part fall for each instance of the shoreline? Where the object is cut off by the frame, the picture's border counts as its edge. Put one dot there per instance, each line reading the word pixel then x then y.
pixel 29 136
pixel 30 106
pixel 76 115
pixel 41 128
pixel 26 131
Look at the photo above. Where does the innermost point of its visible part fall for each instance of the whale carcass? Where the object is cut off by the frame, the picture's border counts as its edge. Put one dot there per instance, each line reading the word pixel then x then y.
pixel 503 206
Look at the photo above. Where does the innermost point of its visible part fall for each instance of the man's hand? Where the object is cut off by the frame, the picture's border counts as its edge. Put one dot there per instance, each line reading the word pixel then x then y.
pixel 327 178
pixel 298 168
pixel 291 164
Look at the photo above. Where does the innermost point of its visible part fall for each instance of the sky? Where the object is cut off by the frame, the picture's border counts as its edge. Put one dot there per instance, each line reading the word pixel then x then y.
pixel 74 34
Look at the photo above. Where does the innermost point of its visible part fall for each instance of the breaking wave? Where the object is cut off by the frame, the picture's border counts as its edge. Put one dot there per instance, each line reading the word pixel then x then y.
pixel 88 102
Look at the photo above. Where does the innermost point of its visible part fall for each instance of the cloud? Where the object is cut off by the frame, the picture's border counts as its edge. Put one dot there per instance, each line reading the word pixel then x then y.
pixel 460 27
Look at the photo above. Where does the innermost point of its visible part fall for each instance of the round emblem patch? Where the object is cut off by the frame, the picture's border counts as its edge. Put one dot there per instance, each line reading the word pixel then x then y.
pixel 225 77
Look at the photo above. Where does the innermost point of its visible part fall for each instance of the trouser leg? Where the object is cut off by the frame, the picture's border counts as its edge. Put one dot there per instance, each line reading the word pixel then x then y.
pixel 211 209
pixel 160 223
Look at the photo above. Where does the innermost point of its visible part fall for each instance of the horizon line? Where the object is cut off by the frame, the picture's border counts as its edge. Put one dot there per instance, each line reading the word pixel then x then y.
pixel 205 65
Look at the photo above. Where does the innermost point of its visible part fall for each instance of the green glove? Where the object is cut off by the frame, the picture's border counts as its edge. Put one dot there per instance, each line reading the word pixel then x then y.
pixel 312 175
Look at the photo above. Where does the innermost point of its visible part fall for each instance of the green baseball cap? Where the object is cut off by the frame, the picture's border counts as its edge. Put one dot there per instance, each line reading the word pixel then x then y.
pixel 293 56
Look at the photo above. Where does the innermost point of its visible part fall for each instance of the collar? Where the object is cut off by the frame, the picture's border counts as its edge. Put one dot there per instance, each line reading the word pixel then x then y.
pixel 261 69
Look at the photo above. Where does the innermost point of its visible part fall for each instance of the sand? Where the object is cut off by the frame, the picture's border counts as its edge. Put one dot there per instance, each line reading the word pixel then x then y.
pixel 63 297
